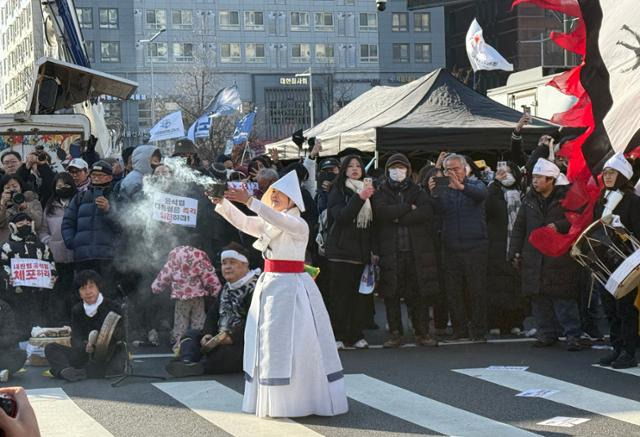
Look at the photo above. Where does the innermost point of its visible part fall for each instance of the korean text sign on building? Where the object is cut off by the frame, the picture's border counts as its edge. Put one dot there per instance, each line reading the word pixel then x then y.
pixel 27 272
pixel 176 210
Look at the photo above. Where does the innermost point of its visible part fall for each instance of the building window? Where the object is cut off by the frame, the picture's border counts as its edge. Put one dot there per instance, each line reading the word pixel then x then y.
pixel 324 53
pixel 423 53
pixel 401 53
pixel 324 21
pixel 108 18
pixel 88 47
pixel 254 53
pixel 182 19
pixel 182 52
pixel 230 53
pixel 109 51
pixel 158 52
pixel 368 53
pixel 300 21
pixel 368 22
pixel 85 17
pixel 422 22
pixel 229 20
pixel 253 20
pixel 400 22
pixel 300 53
pixel 156 19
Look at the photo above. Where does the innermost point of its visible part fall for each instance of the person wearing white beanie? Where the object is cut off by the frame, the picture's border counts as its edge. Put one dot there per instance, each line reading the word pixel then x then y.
pixel 618 198
pixel 552 283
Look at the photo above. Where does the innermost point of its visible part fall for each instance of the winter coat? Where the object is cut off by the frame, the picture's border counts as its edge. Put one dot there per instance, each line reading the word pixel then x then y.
pixel 87 230
pixel 503 279
pixel 141 162
pixel 463 216
pixel 189 274
pixel 233 307
pixel 557 277
pixel 51 232
pixel 628 209
pixel 33 209
pixel 45 186
pixel 392 210
pixel 29 247
pixel 9 334
pixel 346 241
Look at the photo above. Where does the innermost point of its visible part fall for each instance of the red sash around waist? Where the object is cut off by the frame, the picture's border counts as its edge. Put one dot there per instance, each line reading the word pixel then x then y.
pixel 282 266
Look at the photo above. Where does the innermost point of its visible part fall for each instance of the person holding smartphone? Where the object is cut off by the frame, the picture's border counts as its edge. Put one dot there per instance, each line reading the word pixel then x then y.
pixel 350 219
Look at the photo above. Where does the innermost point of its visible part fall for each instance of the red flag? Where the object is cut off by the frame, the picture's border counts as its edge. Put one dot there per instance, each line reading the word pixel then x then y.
pixel 569 7
pixel 569 82
pixel 575 41
pixel 579 115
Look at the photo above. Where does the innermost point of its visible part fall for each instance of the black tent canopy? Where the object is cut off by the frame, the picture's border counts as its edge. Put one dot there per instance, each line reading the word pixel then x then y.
pixel 433 113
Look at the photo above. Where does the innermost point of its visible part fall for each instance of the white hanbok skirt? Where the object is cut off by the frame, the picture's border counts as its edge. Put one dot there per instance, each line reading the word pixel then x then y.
pixel 291 365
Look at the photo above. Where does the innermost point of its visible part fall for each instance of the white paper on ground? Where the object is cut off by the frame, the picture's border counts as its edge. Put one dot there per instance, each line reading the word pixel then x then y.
pixel 513 368
pixel 537 393
pixel 564 422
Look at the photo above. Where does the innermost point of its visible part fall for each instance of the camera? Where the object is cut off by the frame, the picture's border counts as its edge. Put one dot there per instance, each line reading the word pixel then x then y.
pixel 17 198
pixel 381 5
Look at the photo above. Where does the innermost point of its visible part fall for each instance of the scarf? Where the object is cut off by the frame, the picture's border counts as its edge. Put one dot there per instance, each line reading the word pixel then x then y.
pixel 242 281
pixel 92 310
pixel 365 216
pixel 513 200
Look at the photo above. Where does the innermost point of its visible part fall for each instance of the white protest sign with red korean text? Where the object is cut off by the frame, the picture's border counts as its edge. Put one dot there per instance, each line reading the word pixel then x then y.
pixel 27 272
pixel 176 210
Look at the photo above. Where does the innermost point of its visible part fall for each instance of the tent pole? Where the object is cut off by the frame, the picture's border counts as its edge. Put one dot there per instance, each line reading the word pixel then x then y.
pixel 376 158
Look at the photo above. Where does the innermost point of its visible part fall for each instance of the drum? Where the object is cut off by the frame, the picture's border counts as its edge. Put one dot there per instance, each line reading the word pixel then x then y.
pixel 105 344
pixel 611 254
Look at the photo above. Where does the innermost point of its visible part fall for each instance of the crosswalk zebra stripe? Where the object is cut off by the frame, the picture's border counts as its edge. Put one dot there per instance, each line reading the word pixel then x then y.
pixel 59 416
pixel 423 411
pixel 634 371
pixel 221 406
pixel 573 395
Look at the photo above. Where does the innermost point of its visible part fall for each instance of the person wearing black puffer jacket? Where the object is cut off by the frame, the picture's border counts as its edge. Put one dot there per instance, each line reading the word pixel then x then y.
pixel 618 198
pixel 404 243
pixel 90 226
pixel 349 249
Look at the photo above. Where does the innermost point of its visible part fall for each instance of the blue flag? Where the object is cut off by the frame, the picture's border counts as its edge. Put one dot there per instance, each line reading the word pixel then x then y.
pixel 243 128
pixel 200 128
pixel 226 102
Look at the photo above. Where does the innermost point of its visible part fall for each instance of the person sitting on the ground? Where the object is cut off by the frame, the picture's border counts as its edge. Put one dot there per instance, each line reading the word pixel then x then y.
pixel 218 348
pixel 75 363
pixel 11 358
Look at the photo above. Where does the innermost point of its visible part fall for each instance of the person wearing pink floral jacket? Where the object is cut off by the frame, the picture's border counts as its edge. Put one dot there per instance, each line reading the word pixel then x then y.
pixel 190 275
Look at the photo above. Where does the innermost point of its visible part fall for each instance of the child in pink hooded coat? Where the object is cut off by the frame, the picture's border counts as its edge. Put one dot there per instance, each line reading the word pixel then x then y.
pixel 191 276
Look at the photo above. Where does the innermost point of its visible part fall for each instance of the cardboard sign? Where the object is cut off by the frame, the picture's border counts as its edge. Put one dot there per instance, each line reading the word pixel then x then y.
pixel 251 187
pixel 176 210
pixel 27 272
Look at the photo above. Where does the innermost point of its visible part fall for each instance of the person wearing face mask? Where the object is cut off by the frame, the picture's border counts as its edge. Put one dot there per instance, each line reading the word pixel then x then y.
pixel 64 189
pixel 144 159
pixel 404 244
pixel 29 303
pixel 507 309
pixel 464 246
pixel 618 198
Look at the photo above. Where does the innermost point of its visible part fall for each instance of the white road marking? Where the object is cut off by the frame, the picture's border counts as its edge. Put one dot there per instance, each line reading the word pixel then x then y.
pixel 425 412
pixel 634 371
pixel 221 406
pixel 573 395
pixel 59 416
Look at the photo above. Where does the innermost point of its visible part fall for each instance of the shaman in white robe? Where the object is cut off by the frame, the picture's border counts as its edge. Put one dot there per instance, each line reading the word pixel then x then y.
pixel 291 364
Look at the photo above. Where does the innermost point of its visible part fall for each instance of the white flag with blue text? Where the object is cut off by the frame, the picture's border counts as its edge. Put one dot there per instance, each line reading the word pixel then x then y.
pixel 226 102
pixel 200 128
pixel 168 128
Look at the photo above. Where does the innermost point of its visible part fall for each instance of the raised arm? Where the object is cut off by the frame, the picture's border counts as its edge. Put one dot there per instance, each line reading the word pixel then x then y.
pixel 249 225
pixel 281 220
